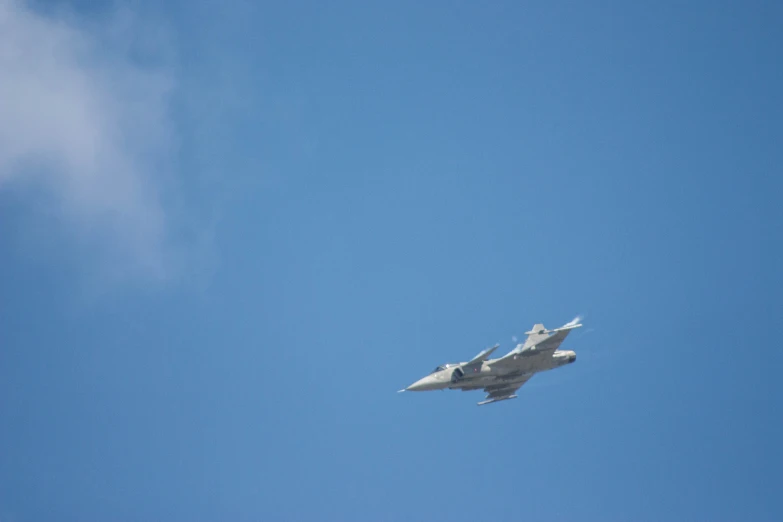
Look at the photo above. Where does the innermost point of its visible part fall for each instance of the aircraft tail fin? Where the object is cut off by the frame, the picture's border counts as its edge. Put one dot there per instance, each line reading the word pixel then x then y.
pixel 537 328
pixel 539 335
pixel 536 335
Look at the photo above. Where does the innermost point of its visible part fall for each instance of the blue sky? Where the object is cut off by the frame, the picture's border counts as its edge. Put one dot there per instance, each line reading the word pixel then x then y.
pixel 230 233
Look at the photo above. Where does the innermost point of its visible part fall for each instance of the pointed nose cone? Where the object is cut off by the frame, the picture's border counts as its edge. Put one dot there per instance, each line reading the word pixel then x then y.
pixel 425 384
pixel 416 386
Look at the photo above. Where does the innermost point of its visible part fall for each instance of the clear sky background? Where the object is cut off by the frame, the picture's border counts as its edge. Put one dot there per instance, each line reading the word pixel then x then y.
pixel 229 232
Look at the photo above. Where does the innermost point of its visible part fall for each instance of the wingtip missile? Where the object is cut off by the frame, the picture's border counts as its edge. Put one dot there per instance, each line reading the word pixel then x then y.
pixel 568 327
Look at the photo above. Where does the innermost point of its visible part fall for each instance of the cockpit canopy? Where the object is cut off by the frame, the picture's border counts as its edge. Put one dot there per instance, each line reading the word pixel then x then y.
pixel 442 367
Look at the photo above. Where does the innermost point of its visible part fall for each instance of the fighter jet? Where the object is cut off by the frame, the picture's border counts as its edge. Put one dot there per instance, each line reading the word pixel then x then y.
pixel 501 378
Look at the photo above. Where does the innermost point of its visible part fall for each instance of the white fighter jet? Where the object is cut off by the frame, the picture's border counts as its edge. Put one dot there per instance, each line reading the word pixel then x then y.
pixel 501 378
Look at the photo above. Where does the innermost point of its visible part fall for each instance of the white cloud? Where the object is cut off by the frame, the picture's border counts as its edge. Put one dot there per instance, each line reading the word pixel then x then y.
pixel 84 116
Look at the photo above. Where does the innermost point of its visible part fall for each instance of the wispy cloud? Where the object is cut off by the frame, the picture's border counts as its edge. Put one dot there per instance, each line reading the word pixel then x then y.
pixel 84 119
